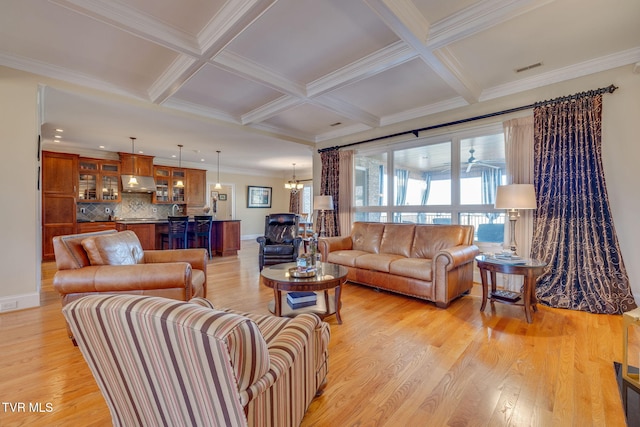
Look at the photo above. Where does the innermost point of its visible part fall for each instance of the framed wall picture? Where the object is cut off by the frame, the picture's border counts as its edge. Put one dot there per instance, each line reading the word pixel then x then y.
pixel 258 197
pixel 222 197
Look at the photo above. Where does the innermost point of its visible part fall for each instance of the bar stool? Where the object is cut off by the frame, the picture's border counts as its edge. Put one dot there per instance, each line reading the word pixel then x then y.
pixel 201 233
pixel 177 232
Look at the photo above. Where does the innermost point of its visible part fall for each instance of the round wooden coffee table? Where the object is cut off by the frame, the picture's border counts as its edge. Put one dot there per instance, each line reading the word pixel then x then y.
pixel 329 276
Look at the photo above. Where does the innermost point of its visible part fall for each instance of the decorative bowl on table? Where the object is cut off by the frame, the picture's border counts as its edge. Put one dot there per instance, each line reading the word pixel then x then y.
pixel 299 272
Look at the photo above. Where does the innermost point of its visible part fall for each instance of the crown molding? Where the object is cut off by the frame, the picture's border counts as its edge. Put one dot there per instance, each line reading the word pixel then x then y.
pixel 347 110
pixel 280 132
pixel 427 110
pixel 478 17
pixel 134 22
pixel 342 132
pixel 199 110
pixel 585 68
pixel 66 75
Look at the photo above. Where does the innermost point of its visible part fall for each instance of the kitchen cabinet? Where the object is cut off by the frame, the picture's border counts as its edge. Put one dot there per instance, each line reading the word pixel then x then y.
pixel 170 185
pixel 180 185
pixel 196 187
pixel 227 237
pixel 98 180
pixel 136 164
pixel 162 176
pixel 92 227
pixel 59 189
pixel 146 233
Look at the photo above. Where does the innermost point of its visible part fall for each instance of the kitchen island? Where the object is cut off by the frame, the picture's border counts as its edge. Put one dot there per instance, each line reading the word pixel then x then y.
pixel 225 234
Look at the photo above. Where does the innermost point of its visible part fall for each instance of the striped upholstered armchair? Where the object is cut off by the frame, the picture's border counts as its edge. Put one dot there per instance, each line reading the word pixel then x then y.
pixel 165 362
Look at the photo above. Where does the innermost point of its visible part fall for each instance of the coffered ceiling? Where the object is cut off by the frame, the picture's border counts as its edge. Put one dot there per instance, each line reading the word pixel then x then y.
pixel 264 81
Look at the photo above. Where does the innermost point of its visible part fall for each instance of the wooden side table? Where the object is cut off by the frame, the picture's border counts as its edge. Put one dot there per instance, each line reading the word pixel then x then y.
pixel 528 267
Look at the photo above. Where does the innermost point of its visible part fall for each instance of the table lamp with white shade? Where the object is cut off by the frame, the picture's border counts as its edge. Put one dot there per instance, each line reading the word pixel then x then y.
pixel 322 204
pixel 515 197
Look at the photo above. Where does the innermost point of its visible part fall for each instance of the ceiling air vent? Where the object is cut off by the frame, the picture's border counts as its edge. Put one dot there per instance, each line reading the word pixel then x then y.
pixel 528 67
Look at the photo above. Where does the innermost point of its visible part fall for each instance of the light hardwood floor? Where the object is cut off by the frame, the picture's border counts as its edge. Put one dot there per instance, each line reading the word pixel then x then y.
pixel 395 361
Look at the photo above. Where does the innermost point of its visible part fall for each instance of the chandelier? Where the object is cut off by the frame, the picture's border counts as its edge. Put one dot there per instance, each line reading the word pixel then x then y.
pixel 294 185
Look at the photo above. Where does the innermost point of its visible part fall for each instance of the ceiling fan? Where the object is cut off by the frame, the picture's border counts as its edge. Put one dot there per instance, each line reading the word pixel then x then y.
pixel 473 161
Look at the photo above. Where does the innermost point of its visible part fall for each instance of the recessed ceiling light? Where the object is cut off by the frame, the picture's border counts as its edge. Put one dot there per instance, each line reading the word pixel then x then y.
pixel 202 160
pixel 57 137
pixel 59 130
pixel 102 146
pixel 140 152
pixel 174 156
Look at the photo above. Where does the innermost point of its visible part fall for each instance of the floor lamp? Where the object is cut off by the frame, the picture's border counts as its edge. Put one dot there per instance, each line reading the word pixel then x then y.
pixel 514 197
pixel 322 204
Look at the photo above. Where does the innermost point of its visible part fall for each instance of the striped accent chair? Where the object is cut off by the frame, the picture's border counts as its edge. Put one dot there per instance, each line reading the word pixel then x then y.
pixel 159 361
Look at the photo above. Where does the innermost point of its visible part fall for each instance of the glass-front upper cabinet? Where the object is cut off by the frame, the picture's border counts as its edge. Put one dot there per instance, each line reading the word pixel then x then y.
pixel 99 180
pixel 88 180
pixel 162 178
pixel 110 180
pixel 177 185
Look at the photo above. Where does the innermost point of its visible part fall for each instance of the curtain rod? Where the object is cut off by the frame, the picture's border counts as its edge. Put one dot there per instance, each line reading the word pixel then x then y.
pixel 609 89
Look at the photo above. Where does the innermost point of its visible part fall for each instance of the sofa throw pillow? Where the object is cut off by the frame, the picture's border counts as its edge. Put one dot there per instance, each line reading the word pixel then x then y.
pixel 114 249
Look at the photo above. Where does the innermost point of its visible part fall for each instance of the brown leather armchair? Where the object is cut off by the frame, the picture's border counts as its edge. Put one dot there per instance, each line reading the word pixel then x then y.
pixel 114 262
pixel 280 242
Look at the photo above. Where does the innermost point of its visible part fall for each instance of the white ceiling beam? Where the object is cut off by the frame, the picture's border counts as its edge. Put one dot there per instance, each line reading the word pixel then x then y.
pixel 462 84
pixel 243 67
pixel 229 23
pixel 271 109
pixel 223 28
pixel 134 22
pixel 377 62
pixel 350 111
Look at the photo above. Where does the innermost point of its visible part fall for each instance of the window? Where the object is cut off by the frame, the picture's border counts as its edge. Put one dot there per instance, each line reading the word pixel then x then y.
pixel 426 186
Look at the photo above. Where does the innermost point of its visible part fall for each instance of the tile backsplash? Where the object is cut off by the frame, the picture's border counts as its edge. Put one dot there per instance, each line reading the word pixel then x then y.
pixel 133 205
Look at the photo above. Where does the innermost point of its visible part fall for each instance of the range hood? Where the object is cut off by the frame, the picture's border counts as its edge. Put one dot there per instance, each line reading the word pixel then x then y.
pixel 138 184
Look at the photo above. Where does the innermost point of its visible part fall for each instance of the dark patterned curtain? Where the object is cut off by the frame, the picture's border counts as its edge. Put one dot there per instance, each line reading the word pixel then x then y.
pixel 573 226
pixel 330 186
pixel 294 202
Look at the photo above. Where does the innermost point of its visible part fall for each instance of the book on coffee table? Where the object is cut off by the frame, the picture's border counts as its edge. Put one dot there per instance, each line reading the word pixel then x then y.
pixel 505 295
pixel 301 299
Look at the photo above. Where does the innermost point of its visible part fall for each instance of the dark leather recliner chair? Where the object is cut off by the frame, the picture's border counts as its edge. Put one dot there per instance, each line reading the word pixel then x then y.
pixel 280 242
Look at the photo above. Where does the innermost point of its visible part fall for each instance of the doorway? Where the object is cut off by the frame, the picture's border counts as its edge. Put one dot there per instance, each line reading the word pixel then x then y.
pixel 221 201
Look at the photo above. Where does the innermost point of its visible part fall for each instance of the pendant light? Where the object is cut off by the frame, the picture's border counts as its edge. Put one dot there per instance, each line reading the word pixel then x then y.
pixel 294 185
pixel 218 186
pixel 180 183
pixel 132 179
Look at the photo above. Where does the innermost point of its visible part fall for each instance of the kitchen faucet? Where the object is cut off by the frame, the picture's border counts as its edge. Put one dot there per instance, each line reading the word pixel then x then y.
pixel 173 209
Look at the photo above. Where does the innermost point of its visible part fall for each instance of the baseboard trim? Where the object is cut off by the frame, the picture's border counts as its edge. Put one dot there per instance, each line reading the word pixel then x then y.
pixel 19 302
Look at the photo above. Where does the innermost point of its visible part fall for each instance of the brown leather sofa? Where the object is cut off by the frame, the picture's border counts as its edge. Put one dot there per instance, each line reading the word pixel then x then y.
pixel 114 262
pixel 427 261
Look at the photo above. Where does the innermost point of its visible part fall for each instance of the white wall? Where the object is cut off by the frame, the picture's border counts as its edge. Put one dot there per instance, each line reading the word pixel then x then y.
pixel 620 146
pixel 252 224
pixel 20 235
